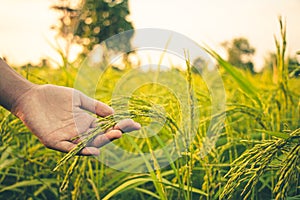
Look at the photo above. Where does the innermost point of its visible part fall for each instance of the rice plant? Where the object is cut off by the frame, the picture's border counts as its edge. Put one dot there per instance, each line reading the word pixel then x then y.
pixel 255 156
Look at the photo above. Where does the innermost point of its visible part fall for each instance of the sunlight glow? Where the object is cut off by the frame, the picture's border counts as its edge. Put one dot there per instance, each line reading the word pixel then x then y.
pixel 25 25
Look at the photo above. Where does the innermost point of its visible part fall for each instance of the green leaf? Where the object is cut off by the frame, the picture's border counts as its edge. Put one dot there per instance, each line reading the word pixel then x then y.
pixel 127 185
pixel 147 192
pixel 185 187
pixel 94 187
pixel 28 183
pixel 7 163
pixel 276 134
pixel 245 85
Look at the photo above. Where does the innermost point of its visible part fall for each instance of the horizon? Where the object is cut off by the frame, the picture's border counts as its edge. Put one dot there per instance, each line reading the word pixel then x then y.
pixel 26 37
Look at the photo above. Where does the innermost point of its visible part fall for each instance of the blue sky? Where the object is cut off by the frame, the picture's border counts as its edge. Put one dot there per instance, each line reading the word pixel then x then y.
pixel 25 24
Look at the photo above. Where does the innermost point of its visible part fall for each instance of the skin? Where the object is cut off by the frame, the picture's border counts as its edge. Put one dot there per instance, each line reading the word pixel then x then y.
pixel 56 114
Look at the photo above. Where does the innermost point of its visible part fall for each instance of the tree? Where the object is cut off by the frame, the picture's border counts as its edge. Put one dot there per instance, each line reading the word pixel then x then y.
pixel 90 22
pixel 240 53
pixel 200 65
pixel 292 63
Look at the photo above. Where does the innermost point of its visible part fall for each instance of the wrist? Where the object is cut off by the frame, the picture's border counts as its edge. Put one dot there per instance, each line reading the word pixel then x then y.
pixel 12 86
pixel 26 90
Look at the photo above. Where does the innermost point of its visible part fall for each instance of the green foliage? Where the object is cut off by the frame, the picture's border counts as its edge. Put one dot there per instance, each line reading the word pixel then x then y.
pixel 255 162
pixel 90 22
pixel 246 86
pixel 255 157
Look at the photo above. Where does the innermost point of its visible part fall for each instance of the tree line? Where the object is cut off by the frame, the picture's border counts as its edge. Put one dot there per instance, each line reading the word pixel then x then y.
pixel 89 22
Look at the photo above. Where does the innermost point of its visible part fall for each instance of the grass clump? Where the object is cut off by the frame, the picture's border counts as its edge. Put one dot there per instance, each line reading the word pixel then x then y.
pixel 255 156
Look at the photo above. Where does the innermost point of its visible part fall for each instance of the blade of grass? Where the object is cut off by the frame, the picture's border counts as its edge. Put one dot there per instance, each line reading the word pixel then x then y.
pixel 127 185
pixel 28 183
pixel 154 178
pixel 94 187
pixel 246 86
pixel 276 134
pixel 147 192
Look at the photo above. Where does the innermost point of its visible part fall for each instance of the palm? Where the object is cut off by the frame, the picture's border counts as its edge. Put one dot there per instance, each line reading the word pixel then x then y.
pixel 58 114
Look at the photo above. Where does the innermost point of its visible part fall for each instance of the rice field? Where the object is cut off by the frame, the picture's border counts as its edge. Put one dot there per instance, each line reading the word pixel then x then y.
pixel 254 156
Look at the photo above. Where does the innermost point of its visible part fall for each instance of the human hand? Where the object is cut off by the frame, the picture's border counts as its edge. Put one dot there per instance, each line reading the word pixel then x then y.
pixel 57 114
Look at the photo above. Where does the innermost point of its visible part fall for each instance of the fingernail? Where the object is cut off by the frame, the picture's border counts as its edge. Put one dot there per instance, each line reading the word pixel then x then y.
pixel 138 125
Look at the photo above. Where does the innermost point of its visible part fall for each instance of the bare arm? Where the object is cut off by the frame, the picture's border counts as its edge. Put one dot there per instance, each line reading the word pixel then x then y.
pixel 57 114
pixel 12 86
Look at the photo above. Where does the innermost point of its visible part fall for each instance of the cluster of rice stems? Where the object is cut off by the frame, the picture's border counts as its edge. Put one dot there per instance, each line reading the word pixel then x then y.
pixel 256 161
pixel 256 156
pixel 288 173
pixel 140 109
pixel 247 170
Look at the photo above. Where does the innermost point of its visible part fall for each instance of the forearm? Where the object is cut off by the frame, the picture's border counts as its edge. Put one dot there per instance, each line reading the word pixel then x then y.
pixel 12 86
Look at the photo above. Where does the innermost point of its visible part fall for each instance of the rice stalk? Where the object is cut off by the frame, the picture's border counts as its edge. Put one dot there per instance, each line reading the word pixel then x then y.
pixel 69 173
pixel 286 173
pixel 191 126
pixel 251 165
pixel 78 182
pixel 141 109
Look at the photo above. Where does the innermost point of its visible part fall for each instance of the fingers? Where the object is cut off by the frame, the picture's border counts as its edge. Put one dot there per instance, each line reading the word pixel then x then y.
pixel 66 146
pixel 92 149
pixel 86 123
pixel 95 106
pixel 106 138
pixel 127 125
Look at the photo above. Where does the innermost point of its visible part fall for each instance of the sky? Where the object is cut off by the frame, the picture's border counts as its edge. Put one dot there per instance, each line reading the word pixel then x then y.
pixel 25 34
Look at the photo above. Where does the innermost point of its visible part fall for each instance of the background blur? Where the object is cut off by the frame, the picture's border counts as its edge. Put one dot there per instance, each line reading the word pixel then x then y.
pixel 25 34
pixel 235 130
